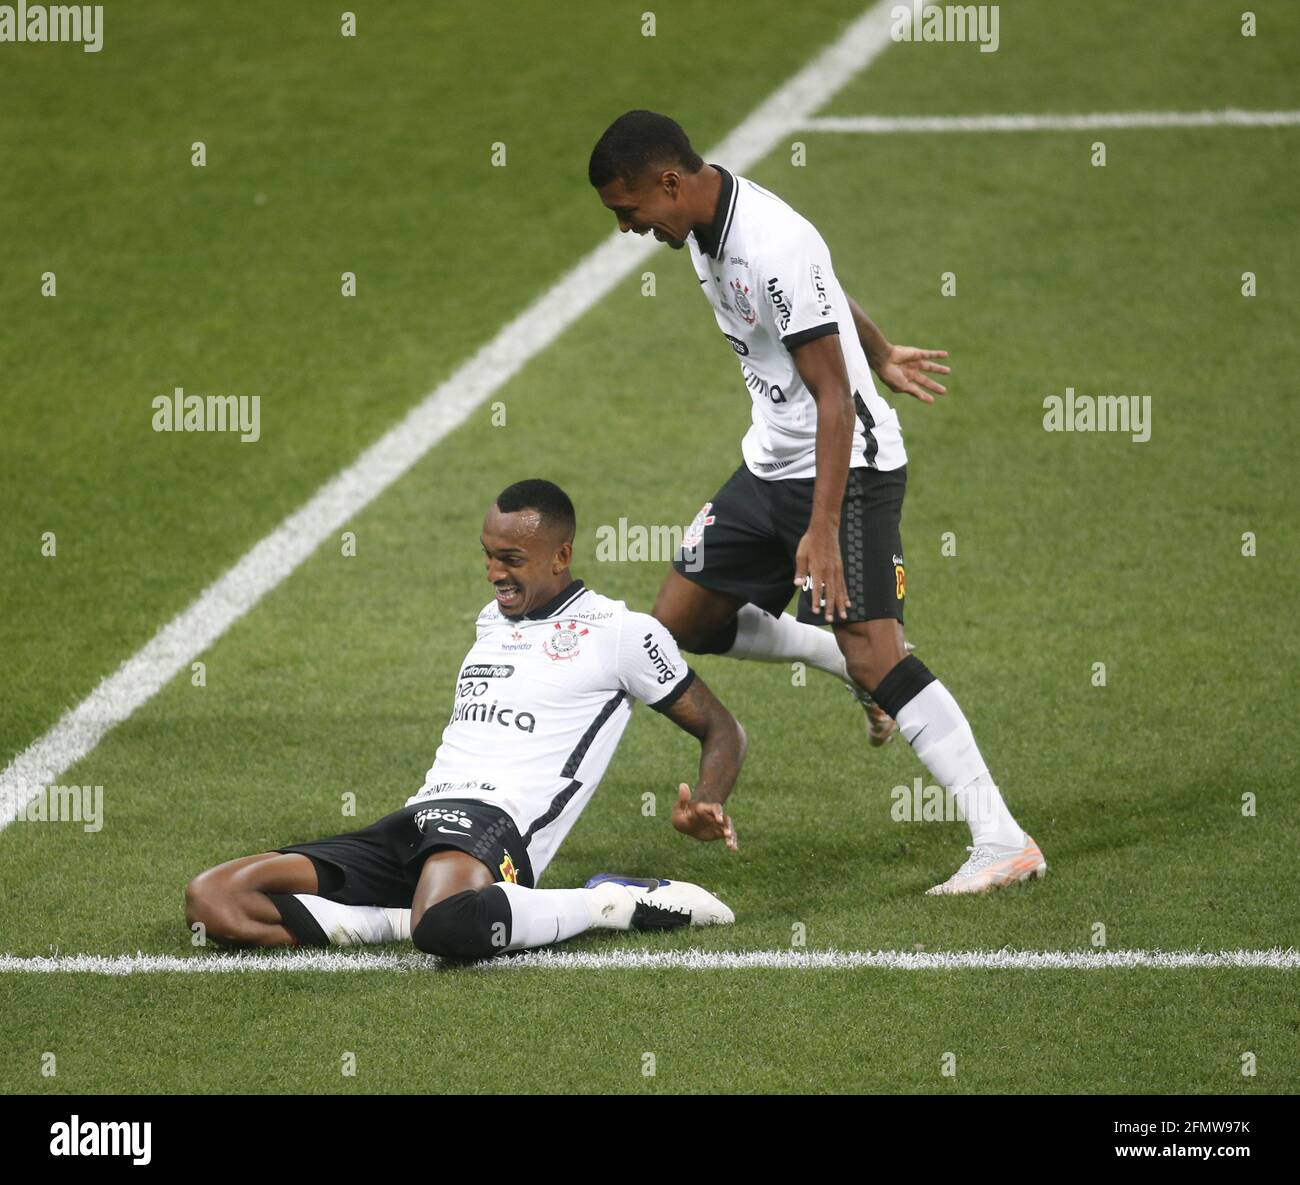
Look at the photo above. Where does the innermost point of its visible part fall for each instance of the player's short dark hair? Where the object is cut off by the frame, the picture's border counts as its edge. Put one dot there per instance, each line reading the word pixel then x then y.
pixel 545 497
pixel 636 141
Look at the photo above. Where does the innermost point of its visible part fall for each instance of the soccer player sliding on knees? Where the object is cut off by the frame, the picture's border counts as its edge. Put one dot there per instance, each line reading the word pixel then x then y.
pixel 541 700
pixel 817 503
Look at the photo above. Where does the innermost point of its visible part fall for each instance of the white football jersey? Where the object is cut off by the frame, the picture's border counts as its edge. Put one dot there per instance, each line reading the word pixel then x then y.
pixel 541 702
pixel 767 273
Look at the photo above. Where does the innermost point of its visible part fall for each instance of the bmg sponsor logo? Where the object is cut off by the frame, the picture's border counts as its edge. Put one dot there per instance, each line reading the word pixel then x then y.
pixel 779 302
pixel 659 662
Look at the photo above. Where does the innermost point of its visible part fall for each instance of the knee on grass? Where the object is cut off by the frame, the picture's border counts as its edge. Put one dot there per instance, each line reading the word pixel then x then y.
pixel 474 924
pixel 208 906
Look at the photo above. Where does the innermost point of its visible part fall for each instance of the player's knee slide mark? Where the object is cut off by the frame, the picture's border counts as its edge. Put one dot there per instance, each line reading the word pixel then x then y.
pixel 469 925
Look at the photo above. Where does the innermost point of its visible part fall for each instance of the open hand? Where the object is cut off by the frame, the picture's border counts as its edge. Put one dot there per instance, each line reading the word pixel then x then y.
pixel 904 372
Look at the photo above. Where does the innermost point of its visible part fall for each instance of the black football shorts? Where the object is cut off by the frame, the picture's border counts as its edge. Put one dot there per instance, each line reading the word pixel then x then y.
pixel 745 541
pixel 381 864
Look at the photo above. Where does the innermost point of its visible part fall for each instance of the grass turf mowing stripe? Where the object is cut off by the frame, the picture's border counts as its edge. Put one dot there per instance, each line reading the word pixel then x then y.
pixel 1097 121
pixel 445 408
pixel 1275 959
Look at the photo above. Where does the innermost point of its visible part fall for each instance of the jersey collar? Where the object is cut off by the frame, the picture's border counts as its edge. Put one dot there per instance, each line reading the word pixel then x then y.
pixel 713 239
pixel 556 603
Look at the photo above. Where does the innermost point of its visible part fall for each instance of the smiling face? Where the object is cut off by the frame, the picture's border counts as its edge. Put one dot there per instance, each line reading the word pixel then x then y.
pixel 655 204
pixel 527 559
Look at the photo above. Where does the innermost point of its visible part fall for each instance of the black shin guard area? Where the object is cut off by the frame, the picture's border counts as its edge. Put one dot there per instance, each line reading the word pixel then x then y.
pixel 297 919
pixel 904 683
pixel 720 642
pixel 474 924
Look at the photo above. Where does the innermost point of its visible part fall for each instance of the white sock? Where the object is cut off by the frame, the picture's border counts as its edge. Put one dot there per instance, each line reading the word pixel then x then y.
pixel 933 723
pixel 354 925
pixel 761 636
pixel 539 917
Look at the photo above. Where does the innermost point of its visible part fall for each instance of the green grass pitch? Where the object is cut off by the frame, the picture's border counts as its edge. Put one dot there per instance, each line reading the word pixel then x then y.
pixel 371 154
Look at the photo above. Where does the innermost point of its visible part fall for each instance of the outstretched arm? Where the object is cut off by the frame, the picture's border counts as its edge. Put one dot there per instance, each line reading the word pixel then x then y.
pixel 901 368
pixel 722 752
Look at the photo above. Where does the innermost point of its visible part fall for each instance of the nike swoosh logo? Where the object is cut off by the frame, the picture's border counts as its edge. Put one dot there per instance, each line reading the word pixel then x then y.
pixel 447 831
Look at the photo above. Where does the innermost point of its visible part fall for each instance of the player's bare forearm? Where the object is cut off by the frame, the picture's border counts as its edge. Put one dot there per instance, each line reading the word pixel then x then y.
pixel 722 741
pixel 903 369
pixel 821 366
pixel 818 565
pixel 834 443
pixel 874 343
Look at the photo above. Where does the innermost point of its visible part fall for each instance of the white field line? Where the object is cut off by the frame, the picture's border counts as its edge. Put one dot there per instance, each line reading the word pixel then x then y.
pixel 1276 959
pixel 880 125
pixel 449 405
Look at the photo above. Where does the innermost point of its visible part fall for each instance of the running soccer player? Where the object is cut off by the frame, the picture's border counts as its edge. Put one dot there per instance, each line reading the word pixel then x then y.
pixel 817 503
pixel 541 700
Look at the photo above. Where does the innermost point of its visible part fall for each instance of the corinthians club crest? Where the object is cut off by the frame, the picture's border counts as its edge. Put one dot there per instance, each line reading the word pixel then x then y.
pixel 740 294
pixel 563 644
pixel 694 534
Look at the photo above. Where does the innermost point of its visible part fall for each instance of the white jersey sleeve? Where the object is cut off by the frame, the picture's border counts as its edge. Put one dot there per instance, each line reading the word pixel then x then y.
pixel 649 665
pixel 796 287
